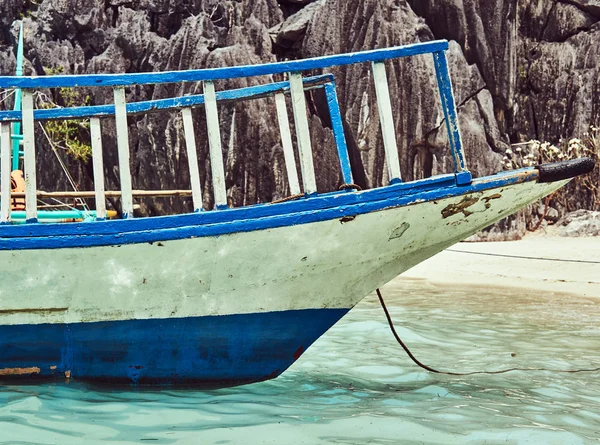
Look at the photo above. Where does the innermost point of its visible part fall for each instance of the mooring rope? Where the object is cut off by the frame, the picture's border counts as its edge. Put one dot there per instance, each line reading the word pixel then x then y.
pixel 436 371
pixel 561 260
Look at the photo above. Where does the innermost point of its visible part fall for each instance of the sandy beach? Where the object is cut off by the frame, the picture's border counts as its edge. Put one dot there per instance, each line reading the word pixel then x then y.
pixel 545 262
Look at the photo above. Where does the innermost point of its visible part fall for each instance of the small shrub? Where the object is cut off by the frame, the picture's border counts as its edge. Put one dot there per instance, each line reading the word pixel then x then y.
pixel 69 134
pixel 583 191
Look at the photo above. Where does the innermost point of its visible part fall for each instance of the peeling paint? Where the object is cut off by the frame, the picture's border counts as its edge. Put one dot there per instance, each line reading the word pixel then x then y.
pixel 487 199
pixel 461 207
pixel 20 371
pixel 399 231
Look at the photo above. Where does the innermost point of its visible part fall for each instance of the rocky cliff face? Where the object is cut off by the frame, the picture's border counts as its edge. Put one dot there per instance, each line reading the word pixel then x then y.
pixel 526 70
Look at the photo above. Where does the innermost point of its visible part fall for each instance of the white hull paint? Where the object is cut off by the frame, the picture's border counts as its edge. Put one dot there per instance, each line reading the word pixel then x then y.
pixel 328 264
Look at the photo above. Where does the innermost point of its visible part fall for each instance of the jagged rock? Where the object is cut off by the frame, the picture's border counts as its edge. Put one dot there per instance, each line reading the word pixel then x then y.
pixel 487 33
pixel 591 6
pixel 565 21
pixel 521 70
pixel 580 223
pixel 292 30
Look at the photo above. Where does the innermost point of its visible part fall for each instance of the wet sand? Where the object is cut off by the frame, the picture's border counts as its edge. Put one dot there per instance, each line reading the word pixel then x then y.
pixel 542 262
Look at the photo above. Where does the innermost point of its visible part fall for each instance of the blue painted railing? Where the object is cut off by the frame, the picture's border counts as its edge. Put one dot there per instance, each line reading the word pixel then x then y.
pixel 292 68
pixel 115 80
pixel 83 112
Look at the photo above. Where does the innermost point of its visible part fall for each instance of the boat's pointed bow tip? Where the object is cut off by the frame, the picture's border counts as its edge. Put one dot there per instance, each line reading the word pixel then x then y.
pixel 558 171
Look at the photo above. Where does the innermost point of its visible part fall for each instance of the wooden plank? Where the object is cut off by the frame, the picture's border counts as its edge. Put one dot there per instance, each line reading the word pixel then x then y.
pixel 225 96
pixel 211 74
pixel 107 193
pixel 214 142
pixel 463 176
pixel 5 168
pixel 98 166
pixel 123 150
pixel 338 132
pixel 29 157
pixel 302 134
pixel 286 143
pixel 387 121
pixel 192 155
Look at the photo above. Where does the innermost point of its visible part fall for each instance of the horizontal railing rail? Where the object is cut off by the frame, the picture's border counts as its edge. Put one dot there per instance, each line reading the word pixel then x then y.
pixel 296 86
pixel 212 74
pixel 224 96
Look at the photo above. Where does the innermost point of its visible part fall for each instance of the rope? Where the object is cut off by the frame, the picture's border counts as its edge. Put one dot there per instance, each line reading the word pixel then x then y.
pixel 524 257
pixel 435 371
pixel 350 187
pixel 289 198
pixel 63 166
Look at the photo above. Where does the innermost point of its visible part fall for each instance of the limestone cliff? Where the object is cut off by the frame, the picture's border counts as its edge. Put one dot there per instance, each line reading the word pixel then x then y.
pixel 521 70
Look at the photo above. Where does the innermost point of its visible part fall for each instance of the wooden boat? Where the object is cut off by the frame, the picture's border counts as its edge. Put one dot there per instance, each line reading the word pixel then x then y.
pixel 224 296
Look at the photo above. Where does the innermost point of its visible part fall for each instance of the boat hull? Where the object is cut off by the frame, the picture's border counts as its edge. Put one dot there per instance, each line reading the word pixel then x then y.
pixel 219 310
pixel 221 350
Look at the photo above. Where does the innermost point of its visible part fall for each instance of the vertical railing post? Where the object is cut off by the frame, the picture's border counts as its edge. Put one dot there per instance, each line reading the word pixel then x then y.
pixel 386 119
pixel 192 155
pixel 18 100
pixel 463 176
pixel 303 134
pixel 123 150
pixel 29 157
pixel 5 168
pixel 214 145
pixel 338 132
pixel 286 143
pixel 98 167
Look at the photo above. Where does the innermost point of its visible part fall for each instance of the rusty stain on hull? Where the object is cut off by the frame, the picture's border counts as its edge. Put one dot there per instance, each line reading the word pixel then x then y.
pixel 346 219
pixel 461 207
pixel 487 199
pixel 20 371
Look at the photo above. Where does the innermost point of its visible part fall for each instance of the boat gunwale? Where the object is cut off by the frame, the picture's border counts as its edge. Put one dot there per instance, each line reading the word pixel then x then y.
pixel 249 218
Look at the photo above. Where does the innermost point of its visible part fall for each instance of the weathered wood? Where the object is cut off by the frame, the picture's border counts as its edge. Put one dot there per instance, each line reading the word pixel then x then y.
pixel 302 134
pixel 123 150
pixel 98 166
pixel 5 167
pixel 192 155
pixel 463 176
pixel 29 156
pixel 286 143
pixel 148 106
pixel 214 142
pixel 107 193
pixel 338 132
pixel 316 63
pixel 387 121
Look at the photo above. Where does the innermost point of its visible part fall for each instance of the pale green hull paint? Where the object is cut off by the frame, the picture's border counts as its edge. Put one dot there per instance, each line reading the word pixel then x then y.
pixel 329 264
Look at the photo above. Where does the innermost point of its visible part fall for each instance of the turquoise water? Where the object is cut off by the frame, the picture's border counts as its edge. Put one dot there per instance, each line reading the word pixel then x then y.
pixel 356 386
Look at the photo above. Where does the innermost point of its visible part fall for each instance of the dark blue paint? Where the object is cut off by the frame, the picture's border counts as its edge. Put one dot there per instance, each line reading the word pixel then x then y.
pixel 449 107
pixel 100 80
pixel 253 92
pixel 214 350
pixel 464 178
pixel 245 219
pixel 338 132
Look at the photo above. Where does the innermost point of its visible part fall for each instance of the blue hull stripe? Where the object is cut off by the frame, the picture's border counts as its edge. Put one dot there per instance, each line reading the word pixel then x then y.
pixel 212 350
pixel 244 219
